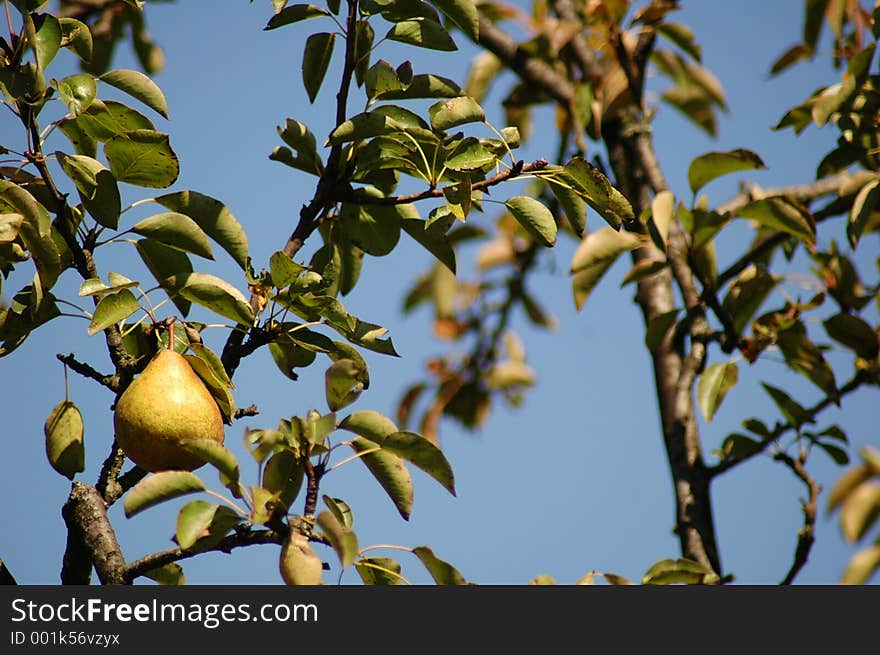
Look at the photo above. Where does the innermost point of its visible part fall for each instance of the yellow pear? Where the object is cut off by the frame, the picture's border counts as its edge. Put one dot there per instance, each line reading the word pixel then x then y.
pixel 163 407
pixel 299 564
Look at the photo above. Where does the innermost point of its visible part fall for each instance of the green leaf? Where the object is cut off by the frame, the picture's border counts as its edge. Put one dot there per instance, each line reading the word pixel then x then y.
pixel 682 36
pixel 714 384
pixel 659 327
pixel 342 384
pixel 289 355
pixel 210 369
pixel 144 158
pixel 369 424
pixel 82 142
pixel 112 309
pixel 381 78
pixel 662 215
pixel 177 231
pixel 341 538
pixel 283 477
pixel 425 455
pixel 294 14
pixel 706 168
pixel 805 357
pixel 76 36
pixel 793 412
pixel 746 295
pixel 170 267
pixel 423 86
pixel 432 238
pixel 77 91
pixel 375 229
pixel 643 269
pixel 866 203
pixel 10 224
pixel 218 456
pixel 602 248
pixel 535 218
pixel 363 47
pixel 738 446
pixel 835 452
pixel 316 59
pixel 299 137
pixel 860 510
pixel 96 186
pixel 48 39
pixel 159 487
pixel 592 185
pixel 574 206
pixel 102 120
pixel 168 575
pixel 854 333
pixel 193 522
pixel 138 86
pixel 389 471
pixel 214 218
pixel 672 571
pixel 443 572
pixel 35 231
pixel 470 155
pixel 283 269
pixel 461 110
pixel 781 213
pixel 463 13
pixel 378 571
pixel 65 447
pixel 217 295
pixel 423 34
pixel 340 510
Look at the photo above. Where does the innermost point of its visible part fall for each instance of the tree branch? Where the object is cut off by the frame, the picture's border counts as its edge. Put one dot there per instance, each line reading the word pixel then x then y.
pixel 88 526
pixel 856 381
pixel 6 577
pixel 519 168
pixel 109 381
pixel 806 533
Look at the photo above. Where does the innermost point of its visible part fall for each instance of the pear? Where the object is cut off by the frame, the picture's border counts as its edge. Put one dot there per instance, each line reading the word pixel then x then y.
pixel 164 407
pixel 299 564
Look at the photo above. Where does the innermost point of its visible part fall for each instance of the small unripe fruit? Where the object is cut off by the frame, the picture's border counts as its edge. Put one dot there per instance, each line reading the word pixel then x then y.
pixel 299 564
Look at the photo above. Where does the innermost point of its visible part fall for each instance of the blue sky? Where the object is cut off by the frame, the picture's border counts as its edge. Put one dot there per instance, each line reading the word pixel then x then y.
pixel 573 481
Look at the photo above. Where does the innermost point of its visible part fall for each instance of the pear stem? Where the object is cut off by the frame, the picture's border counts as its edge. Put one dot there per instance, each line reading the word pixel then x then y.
pixel 171 334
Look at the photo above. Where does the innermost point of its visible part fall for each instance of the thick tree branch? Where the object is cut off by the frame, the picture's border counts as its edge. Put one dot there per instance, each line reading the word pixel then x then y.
pixel 806 533
pixel 85 514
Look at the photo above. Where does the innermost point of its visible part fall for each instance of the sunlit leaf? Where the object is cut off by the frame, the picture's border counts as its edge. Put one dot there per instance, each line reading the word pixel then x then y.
pixel 144 158
pixel 315 61
pixel 534 217
pixel 112 309
pixel 443 572
pixel 417 449
pixel 138 86
pixel 341 538
pixel 706 168
pixel 422 33
pixel 389 471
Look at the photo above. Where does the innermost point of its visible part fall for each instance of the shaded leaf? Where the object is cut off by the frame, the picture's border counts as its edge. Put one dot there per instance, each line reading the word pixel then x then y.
pixel 378 571
pixel 425 455
pixel 866 203
pixel 706 168
pixel 597 190
pixel 793 412
pixel 389 471
pixel 671 571
pixel 170 267
pixel 159 487
pixel 433 238
pixel 214 218
pixel 65 447
pixel 96 186
pixel 294 14
pixel 177 231
pixel 193 521
pixel 217 455
pixel 217 295
pixel 854 333
pixel 369 424
pixel 341 538
pixel 422 33
pixel 535 218
pixel 315 61
pixel 781 213
pixel 738 446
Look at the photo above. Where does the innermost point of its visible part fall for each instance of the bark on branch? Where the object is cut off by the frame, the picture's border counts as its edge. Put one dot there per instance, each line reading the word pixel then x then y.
pixel 90 539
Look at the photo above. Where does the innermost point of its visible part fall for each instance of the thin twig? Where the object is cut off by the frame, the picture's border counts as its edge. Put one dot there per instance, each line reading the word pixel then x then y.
pixel 109 381
pixel 806 535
